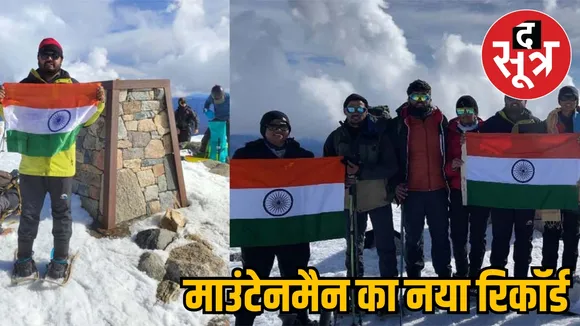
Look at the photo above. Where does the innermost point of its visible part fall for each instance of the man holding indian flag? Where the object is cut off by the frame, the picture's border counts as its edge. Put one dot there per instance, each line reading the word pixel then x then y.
pixel 42 123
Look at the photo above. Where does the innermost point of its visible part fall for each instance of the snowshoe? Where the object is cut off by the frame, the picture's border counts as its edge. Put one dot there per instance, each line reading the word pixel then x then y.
pixel 25 270
pixel 59 271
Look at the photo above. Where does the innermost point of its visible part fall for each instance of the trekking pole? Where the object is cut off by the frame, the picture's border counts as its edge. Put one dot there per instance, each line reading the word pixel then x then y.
pixel 401 305
pixel 353 249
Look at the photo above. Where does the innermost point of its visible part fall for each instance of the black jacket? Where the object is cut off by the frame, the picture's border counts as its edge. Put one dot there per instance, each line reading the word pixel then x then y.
pixel 258 149
pixel 34 78
pixel 185 119
pixel 500 123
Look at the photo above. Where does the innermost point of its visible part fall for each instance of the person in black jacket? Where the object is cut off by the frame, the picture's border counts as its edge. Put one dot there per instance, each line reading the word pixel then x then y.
pixel 511 119
pixel 275 129
pixel 185 120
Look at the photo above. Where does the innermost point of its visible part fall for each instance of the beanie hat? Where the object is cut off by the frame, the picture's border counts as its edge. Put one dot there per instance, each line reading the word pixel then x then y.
pixel 270 116
pixel 419 86
pixel 568 91
pixel 354 97
pixel 50 44
pixel 467 101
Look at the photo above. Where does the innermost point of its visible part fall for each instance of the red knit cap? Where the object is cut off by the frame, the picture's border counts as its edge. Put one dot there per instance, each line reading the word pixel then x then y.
pixel 50 42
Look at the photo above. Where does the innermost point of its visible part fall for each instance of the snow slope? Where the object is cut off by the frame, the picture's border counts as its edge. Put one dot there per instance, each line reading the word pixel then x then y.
pixel 106 287
pixel 328 257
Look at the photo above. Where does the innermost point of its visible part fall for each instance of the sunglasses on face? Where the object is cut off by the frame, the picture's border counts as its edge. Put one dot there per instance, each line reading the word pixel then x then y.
pixel 359 109
pixel 462 111
pixel 282 128
pixel 46 55
pixel 420 97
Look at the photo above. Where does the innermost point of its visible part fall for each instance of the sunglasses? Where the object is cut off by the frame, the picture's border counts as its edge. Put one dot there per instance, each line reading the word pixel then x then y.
pixel 46 55
pixel 282 127
pixel 462 111
pixel 420 97
pixel 359 109
pixel 568 98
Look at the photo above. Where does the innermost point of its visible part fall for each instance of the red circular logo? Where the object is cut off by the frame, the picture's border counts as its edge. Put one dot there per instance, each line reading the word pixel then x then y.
pixel 526 54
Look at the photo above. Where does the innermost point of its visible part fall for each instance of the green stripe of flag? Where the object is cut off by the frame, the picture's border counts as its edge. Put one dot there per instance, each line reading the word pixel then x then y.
pixel 516 196
pixel 291 230
pixel 45 145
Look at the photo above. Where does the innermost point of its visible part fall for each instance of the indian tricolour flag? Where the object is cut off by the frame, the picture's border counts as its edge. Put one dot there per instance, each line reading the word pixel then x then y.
pixel 286 201
pixel 521 171
pixel 44 119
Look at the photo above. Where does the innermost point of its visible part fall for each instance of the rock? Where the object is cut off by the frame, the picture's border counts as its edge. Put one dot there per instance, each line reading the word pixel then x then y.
pixel 99 159
pixel 151 106
pixel 154 207
pixel 80 157
pixel 88 156
pixel 168 291
pixel 131 107
pixel 159 169
pixel 167 144
pixel 197 238
pixel 91 206
pixel 155 149
pixel 94 193
pixel 130 201
pixel 172 220
pixel 122 96
pixel 167 199
pixel 124 144
pixel 153 239
pixel 121 130
pixel 146 126
pixel 89 168
pixel 236 256
pixel 89 178
pixel 159 93
pixel 219 321
pixel 95 128
pixel 152 193
pixel 128 117
pixel 83 189
pixel 146 178
pixel 92 142
pixel 141 95
pixel 152 265
pixel 194 260
pixel 144 115
pixel 148 162
pixel 162 123
pixel 134 165
pixel 139 139
pixel 133 153
pixel 161 182
pixel 132 125
pixel 170 173
pixel 119 159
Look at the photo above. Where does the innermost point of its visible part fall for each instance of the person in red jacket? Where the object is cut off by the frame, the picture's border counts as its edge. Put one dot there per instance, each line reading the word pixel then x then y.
pixel 464 219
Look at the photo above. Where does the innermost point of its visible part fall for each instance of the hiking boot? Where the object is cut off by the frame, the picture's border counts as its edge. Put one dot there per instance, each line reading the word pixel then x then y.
pixel 57 269
pixel 24 268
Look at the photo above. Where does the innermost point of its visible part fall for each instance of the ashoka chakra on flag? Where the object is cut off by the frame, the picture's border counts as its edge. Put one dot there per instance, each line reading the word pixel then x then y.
pixel 521 171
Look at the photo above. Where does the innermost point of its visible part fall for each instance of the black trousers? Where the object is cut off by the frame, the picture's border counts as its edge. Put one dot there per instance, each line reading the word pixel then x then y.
pixel 433 206
pixel 261 260
pixel 33 190
pixel 569 230
pixel 504 222
pixel 466 220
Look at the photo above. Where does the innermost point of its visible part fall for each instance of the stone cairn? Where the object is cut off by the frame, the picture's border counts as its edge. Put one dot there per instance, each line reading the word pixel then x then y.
pixel 146 176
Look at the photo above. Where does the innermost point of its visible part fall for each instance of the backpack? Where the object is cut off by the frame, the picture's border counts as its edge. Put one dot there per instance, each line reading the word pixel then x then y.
pixel 381 111
pixel 9 180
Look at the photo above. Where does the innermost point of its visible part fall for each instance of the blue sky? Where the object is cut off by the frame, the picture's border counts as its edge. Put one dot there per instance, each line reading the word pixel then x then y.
pixel 305 57
pixel 186 41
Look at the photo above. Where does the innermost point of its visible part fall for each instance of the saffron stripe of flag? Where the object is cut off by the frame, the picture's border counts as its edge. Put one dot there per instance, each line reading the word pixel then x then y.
pixel 44 119
pixel 522 171
pixel 286 201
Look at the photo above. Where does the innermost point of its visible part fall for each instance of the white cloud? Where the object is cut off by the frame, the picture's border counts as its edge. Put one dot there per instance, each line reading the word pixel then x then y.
pixel 550 5
pixel 378 61
pixel 187 41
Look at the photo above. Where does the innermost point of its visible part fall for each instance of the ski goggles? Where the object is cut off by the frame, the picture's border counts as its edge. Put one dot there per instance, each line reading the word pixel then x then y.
pixel 419 97
pixel 462 111
pixel 280 127
pixel 360 109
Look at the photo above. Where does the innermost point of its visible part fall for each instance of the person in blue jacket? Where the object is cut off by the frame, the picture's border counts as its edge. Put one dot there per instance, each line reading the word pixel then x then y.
pixel 221 108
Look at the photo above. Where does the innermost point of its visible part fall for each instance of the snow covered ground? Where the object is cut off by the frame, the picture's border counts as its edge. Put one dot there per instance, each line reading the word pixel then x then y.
pixel 106 287
pixel 328 257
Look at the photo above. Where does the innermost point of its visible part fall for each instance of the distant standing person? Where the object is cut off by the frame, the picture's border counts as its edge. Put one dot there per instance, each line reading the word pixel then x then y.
pixel 186 120
pixel 221 108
